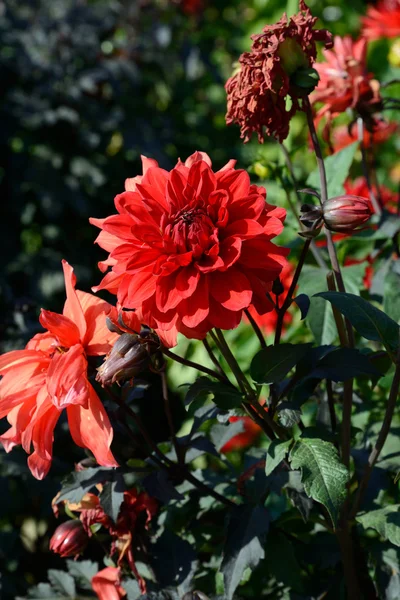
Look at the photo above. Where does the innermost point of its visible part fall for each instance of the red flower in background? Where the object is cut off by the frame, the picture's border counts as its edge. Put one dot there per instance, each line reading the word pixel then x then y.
pixel 268 321
pixel 257 92
pixel 345 82
pixel 382 21
pixel 192 7
pixel 251 431
pixel 191 248
pixel 51 375
pixel 381 131
pixel 107 584
pixel 359 187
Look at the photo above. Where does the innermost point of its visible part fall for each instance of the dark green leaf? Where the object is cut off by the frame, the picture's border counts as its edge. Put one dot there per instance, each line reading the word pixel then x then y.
pixel 244 546
pixel 83 571
pixel 370 322
pixel 62 582
pixel 173 560
pixel 337 169
pixel 221 434
pixel 303 302
pixel 323 475
pixel 78 483
pixel 343 364
pixel 112 497
pixel 273 363
pixel 282 561
pixel 224 396
pixel 386 521
pixel 275 454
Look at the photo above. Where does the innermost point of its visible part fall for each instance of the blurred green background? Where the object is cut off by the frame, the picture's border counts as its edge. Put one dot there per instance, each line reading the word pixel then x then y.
pixel 88 86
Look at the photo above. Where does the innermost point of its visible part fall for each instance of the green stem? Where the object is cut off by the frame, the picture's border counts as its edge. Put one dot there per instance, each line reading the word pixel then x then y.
pixel 193 365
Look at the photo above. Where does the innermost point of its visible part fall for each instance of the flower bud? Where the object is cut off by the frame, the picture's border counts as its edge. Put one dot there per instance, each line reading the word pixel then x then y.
pixel 69 539
pixel 129 356
pixel 345 213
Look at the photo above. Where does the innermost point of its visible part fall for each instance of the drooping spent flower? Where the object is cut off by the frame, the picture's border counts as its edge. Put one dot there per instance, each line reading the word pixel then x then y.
pixel 278 65
pixel 190 249
pixel 50 375
pixel 379 132
pixel 69 539
pixel 346 213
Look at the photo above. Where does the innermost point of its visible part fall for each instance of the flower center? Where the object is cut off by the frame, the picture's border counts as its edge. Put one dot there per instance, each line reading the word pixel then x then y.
pixel 191 229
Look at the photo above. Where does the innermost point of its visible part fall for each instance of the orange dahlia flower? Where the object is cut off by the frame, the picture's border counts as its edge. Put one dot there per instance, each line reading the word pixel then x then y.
pixel 345 82
pixel 257 92
pixel 51 375
pixel 382 21
pixel 190 249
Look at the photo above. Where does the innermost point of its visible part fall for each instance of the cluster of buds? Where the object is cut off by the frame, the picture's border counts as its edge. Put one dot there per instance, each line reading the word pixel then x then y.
pixel 131 354
pixel 342 214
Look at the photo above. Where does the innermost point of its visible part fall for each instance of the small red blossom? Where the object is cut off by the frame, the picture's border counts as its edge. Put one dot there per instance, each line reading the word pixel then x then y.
pixel 380 132
pixel 268 321
pixel 106 584
pixel 382 21
pixel 257 92
pixel 50 375
pixel 190 249
pixel 251 431
pixel 345 213
pixel 69 539
pixel 345 82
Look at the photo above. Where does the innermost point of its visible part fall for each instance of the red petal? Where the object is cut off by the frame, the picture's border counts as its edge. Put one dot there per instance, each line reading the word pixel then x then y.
pixel 195 309
pixel 98 338
pixel 90 428
pixel 72 307
pixel 67 381
pixel 61 327
pixel 231 289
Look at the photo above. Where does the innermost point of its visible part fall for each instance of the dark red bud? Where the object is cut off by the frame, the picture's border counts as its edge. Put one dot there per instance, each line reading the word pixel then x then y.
pixel 345 213
pixel 69 539
pixel 129 356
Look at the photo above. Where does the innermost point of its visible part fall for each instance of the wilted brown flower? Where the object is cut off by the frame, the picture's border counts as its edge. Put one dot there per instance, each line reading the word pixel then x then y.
pixel 278 65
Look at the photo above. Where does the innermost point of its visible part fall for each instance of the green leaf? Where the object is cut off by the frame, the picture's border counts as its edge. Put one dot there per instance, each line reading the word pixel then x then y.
pixel 275 454
pixel 370 322
pixel 282 561
pixel 224 396
pixel 244 546
pixel 62 582
pixel 386 521
pixel 83 571
pixel 271 364
pixel 221 434
pixel 112 497
pixel 391 295
pixel 320 317
pixel 344 363
pixel 78 483
pixel 337 169
pixel 323 475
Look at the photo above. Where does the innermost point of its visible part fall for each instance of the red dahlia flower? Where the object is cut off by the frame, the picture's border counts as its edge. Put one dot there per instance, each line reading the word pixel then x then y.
pixel 345 82
pixel 382 21
pixel 51 375
pixel 359 187
pixel 191 248
pixel 268 73
pixel 106 584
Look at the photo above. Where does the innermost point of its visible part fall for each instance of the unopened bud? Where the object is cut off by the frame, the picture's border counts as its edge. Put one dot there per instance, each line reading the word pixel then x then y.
pixel 129 356
pixel 277 287
pixel 345 213
pixel 69 539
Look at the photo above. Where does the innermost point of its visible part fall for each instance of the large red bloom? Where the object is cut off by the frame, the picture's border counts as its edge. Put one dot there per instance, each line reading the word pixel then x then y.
pixel 345 82
pixel 51 374
pixel 382 21
pixel 190 249
pixel 257 92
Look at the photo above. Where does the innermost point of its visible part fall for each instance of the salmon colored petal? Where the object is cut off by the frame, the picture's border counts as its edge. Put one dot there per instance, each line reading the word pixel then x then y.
pixel 67 381
pixel 106 584
pixel 45 342
pixel 65 330
pixel 42 435
pixel 13 391
pixel 98 339
pixel 16 358
pixel 90 428
pixel 38 466
pixel 72 307
pixel 110 282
